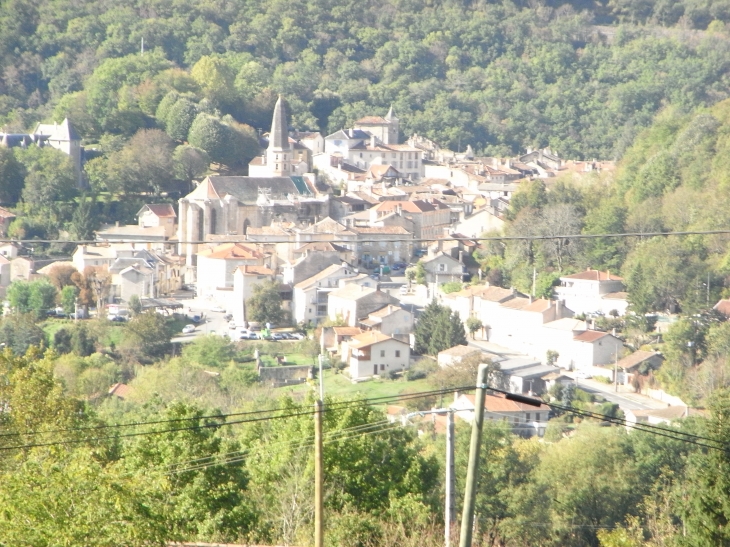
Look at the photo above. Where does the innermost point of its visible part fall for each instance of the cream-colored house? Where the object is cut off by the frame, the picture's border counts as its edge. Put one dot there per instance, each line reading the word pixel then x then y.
pixel 311 295
pixel 374 353
pixel 354 302
pixel 217 265
pixel 391 320
pixel 525 420
pixel 593 291
pixel 158 215
pixel 245 278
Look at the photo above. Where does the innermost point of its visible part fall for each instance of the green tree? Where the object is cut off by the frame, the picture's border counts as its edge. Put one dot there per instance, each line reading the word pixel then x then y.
pixel 148 335
pixel 50 177
pixel 12 177
pixel 135 305
pixel 209 352
pixel 437 329
pixel 85 219
pixel 473 324
pixel 265 304
pixel 707 508
pixel 42 297
pixel 179 119
pixel 190 162
pixel 19 332
pixel 202 503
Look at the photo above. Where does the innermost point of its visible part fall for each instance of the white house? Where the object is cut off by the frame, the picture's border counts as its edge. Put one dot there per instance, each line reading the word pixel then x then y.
pixel 217 265
pixel 593 291
pixel 310 296
pixel 158 215
pixel 355 302
pixel 245 278
pixel 455 355
pixel 374 353
pixel 391 320
pixel 525 420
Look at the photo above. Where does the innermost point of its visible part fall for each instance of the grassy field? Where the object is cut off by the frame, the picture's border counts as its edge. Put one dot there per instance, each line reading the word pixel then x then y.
pixel 339 385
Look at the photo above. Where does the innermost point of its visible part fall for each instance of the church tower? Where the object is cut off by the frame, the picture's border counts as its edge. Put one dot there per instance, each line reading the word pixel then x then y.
pixel 393 127
pixel 279 153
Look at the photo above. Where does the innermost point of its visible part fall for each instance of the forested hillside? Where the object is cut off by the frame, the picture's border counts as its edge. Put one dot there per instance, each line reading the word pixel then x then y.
pixel 499 76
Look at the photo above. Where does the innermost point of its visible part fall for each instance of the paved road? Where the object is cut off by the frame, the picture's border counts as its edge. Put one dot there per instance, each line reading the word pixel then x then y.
pixel 213 322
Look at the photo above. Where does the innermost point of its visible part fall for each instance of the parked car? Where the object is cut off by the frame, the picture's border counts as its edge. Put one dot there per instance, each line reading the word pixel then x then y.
pixel 187 329
pixel 403 290
pixel 117 318
pixel 217 309
pixel 583 375
pixel 277 336
pixel 232 325
pixel 297 336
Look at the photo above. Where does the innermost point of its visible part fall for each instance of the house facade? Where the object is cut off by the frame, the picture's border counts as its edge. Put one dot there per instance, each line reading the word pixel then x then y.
pixel 374 354
pixel 593 291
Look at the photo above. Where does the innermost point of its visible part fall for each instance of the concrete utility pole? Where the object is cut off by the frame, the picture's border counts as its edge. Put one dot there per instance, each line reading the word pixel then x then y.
pixel 318 476
pixel 449 501
pixel 472 473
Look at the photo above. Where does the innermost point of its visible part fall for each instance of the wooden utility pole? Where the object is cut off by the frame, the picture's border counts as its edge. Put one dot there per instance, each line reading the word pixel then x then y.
pixel 472 473
pixel 318 476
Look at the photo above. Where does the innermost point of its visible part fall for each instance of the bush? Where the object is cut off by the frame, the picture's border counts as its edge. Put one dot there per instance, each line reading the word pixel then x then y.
pixel 412 375
pixel 603 379
pixel 394 374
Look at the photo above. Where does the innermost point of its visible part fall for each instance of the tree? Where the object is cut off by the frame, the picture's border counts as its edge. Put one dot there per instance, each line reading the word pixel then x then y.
pixel 85 219
pixel 438 329
pixel 708 480
pixel 148 335
pixel 473 324
pixel 37 296
pixel 61 275
pixel 50 177
pixel 19 332
pixel 12 177
pixel 265 304
pixel 205 503
pixel 190 162
pixel 179 119
pixel 209 352
pixel 135 305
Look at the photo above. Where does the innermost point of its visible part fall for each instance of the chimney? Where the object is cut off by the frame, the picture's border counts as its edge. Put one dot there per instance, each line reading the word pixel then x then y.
pixel 530 297
pixel 372 141
pixel 461 257
pixel 558 308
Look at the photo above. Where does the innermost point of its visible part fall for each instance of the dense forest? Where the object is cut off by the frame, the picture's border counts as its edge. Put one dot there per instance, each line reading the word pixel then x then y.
pixel 583 78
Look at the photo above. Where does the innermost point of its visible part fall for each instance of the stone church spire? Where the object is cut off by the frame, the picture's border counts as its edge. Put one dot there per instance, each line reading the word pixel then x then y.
pixel 279 136
pixel 278 154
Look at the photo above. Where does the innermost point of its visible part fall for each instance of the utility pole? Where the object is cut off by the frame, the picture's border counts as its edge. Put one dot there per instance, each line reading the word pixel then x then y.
pixel 318 476
pixel 449 501
pixel 450 506
pixel 615 372
pixel 472 473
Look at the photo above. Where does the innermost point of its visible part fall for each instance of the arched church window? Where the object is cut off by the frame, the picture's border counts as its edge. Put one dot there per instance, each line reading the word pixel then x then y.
pixel 213 220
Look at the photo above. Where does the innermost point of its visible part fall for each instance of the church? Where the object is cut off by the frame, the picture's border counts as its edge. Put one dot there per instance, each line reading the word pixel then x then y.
pixel 229 205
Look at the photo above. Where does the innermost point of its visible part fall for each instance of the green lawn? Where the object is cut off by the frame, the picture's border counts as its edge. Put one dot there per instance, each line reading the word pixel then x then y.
pixel 339 385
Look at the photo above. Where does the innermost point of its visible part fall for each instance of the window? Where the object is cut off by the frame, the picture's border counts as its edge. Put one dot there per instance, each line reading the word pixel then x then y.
pixel 382 367
pixel 442 267
pixel 527 417
pixel 537 416
pixel 516 420
pixel 397 353
pixel 382 353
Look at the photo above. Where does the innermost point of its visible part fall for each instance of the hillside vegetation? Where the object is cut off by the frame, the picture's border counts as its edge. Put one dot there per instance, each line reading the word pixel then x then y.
pixel 499 76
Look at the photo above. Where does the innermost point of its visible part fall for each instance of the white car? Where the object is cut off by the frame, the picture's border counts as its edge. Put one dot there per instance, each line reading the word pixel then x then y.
pixel 187 329
pixel 403 289
pixel 583 375
pixel 232 325
pixel 217 309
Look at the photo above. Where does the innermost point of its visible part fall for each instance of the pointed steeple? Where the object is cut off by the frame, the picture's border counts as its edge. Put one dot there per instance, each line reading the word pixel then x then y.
pixel 279 136
pixel 390 115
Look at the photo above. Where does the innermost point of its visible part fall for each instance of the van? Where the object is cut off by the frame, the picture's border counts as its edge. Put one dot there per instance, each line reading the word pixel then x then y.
pixel 403 290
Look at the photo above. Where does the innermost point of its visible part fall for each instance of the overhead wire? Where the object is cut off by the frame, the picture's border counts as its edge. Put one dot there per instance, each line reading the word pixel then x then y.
pixel 334 404
pixel 394 237
pixel 328 407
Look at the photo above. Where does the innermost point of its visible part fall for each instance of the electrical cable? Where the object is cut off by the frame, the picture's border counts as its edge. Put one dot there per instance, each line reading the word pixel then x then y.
pixel 595 414
pixel 334 404
pixel 328 407
pixel 342 240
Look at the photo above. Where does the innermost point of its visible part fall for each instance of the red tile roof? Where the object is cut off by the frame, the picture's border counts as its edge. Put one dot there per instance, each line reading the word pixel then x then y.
pixel 590 336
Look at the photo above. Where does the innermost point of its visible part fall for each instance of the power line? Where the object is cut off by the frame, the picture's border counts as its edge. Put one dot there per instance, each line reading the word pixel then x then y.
pixel 394 237
pixel 621 421
pixel 330 407
pixel 377 400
